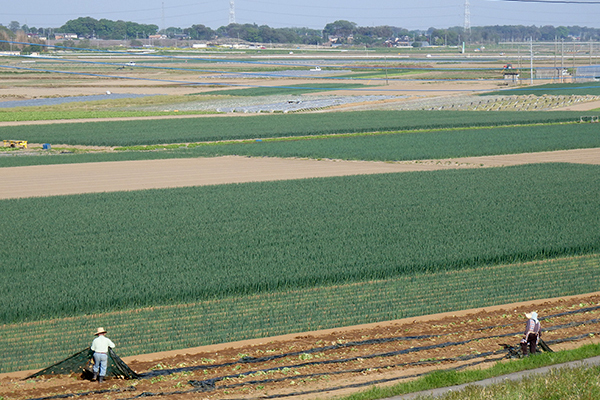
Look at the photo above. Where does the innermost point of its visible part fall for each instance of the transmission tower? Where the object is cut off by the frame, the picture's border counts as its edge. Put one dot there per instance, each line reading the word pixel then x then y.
pixel 467 22
pixel 231 12
pixel 162 19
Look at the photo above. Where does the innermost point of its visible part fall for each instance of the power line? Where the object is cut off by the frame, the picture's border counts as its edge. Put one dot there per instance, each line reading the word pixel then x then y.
pixel 554 1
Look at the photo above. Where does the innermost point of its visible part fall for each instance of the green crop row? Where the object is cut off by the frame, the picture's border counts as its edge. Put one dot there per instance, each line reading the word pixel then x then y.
pixel 381 147
pixel 558 89
pixel 419 145
pixel 24 114
pixel 160 247
pixel 186 130
pixel 25 345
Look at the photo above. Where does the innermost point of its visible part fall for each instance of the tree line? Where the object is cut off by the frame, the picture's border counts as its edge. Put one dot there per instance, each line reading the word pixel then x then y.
pixel 341 31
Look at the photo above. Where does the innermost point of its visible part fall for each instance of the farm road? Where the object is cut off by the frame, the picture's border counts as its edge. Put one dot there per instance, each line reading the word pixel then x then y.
pixel 67 179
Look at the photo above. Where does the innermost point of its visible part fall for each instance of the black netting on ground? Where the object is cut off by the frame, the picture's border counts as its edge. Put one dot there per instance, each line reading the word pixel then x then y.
pixel 211 384
pixel 82 362
pixel 244 360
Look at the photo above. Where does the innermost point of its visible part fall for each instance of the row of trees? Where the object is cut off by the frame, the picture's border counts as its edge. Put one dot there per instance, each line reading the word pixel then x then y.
pixel 24 45
pixel 343 31
pixel 350 32
pixel 88 27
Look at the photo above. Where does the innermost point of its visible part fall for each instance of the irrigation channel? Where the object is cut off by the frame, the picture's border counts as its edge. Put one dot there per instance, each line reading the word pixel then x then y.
pixel 349 364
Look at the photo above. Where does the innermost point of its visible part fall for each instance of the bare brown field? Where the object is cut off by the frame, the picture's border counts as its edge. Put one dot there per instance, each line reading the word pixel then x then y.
pixel 65 179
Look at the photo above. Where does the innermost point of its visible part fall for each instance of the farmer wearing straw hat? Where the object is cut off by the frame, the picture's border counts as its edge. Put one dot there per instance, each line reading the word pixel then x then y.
pixel 100 347
pixel 533 331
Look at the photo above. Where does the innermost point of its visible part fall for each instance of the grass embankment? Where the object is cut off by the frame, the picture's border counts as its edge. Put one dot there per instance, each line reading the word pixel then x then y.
pixel 563 383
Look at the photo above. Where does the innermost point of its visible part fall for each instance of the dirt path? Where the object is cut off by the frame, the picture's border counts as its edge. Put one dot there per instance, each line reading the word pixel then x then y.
pixel 333 362
pixel 65 179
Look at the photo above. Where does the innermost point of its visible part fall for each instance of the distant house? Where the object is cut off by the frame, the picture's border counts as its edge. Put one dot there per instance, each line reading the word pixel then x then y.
pixel 398 42
pixel 36 36
pixel 65 36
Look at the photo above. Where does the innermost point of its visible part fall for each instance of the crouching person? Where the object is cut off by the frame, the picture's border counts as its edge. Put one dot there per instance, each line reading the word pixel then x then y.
pixel 533 331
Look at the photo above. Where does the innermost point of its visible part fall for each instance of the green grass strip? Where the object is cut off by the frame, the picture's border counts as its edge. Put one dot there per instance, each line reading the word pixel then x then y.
pixel 564 383
pixel 263 315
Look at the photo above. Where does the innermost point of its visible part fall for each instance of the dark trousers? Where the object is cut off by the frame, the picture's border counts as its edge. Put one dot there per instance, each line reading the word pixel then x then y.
pixel 531 344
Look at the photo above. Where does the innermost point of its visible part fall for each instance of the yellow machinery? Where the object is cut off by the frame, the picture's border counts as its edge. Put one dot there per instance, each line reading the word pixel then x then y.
pixel 21 144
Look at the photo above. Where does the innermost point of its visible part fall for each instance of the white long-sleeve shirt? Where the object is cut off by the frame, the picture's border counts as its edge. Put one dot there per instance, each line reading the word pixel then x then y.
pixel 101 344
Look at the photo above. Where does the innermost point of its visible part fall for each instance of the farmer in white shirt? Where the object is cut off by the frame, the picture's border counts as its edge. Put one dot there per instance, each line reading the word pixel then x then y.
pixel 100 347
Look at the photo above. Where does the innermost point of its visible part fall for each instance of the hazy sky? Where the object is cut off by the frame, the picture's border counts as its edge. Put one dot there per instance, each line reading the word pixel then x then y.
pixel 314 14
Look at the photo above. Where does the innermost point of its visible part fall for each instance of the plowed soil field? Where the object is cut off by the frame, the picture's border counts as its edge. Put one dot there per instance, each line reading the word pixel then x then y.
pixel 65 179
pixel 334 362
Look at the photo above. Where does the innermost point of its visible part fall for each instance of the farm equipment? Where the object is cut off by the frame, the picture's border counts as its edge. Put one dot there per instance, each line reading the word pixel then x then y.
pixel 515 351
pixel 21 144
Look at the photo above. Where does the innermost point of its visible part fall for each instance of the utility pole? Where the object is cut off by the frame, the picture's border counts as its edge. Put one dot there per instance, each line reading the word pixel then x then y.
pixel 467 21
pixel 162 19
pixel 531 62
pixel 555 50
pixel 386 75
pixel 562 59
pixel 574 70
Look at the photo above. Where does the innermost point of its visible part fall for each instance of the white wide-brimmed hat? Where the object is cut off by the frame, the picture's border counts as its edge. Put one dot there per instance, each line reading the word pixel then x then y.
pixel 100 331
pixel 531 315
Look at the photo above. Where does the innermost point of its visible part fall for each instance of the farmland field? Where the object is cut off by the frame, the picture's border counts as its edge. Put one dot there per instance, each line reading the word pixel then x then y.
pixel 556 89
pixel 167 269
pixel 410 144
pixel 281 312
pixel 164 131
pixel 177 246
